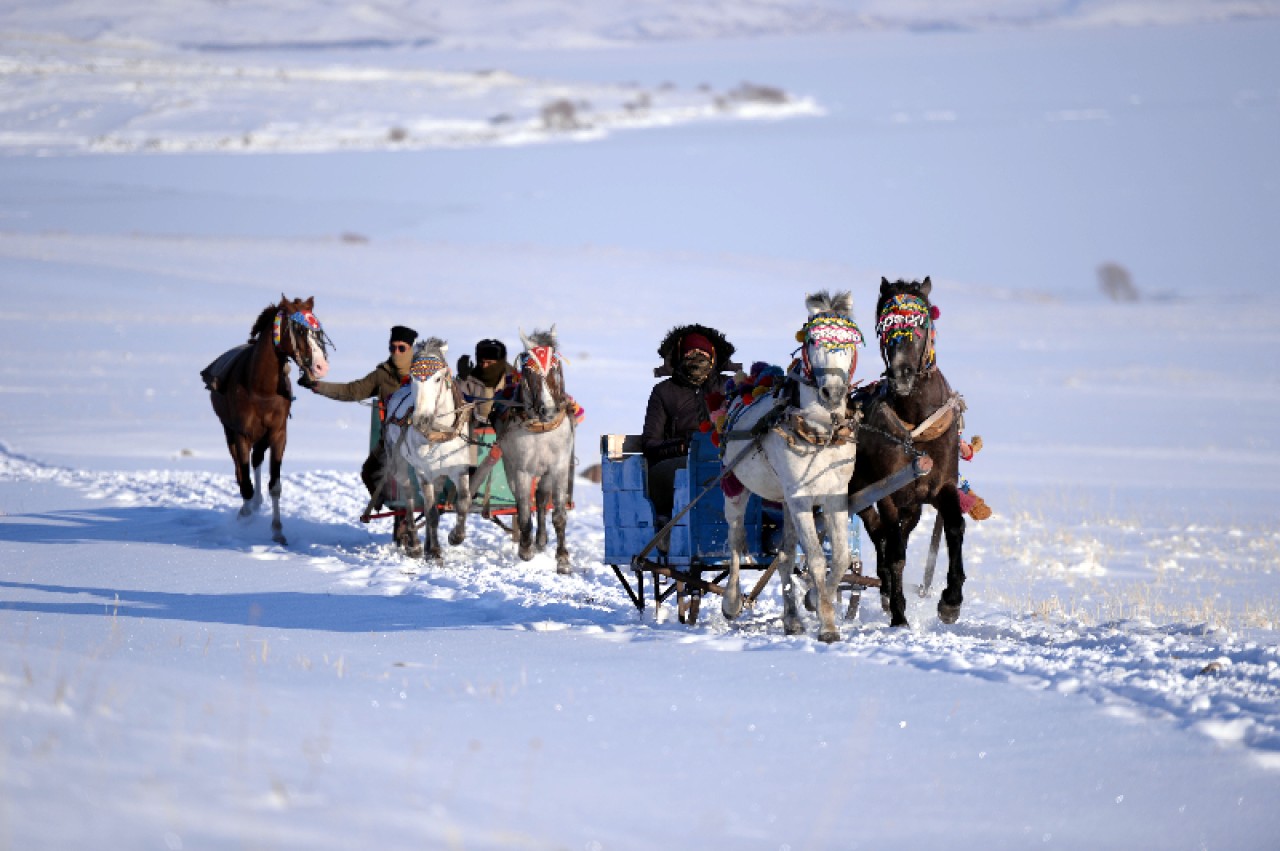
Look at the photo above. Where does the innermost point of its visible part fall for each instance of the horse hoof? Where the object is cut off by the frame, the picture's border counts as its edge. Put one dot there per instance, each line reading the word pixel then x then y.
pixel 730 610
pixel 413 552
pixel 525 553
pixel 435 555
pixel 948 614
pixel 884 604
pixel 563 568
pixel 457 536
pixel 280 539
pixel 900 622
pixel 829 636
pixel 794 628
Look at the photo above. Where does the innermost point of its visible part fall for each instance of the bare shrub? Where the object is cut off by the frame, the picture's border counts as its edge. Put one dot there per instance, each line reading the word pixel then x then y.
pixel 397 134
pixel 752 93
pixel 352 238
pixel 561 114
pixel 1116 283
pixel 592 473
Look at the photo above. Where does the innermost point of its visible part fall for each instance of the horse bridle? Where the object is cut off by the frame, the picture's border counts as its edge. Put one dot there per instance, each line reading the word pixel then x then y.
pixel 832 331
pixel 544 364
pixel 899 319
pixel 311 327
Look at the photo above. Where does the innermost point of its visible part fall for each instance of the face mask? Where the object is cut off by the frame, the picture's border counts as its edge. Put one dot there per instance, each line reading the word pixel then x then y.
pixel 402 360
pixel 696 366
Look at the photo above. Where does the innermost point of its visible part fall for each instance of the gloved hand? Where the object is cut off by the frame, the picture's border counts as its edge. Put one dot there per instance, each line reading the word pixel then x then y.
pixel 305 380
pixel 464 366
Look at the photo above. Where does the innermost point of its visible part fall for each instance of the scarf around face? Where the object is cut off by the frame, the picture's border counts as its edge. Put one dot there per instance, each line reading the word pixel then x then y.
pixel 492 375
pixel 695 368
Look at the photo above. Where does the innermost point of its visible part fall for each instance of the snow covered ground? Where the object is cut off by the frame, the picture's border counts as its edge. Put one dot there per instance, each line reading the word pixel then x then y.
pixel 171 679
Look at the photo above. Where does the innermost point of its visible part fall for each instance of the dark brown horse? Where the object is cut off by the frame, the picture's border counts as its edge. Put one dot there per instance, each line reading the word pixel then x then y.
pixel 911 407
pixel 252 395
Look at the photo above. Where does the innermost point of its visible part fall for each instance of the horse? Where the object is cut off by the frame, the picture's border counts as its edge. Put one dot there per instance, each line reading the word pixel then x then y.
pixel 911 408
pixel 799 451
pixel 252 395
pixel 535 433
pixel 426 431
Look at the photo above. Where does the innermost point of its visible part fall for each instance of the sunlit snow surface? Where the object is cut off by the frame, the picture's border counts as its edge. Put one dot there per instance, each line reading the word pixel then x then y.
pixel 170 678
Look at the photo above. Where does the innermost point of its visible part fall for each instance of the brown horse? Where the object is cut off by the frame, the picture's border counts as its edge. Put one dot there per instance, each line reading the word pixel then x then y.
pixel 252 395
pixel 911 408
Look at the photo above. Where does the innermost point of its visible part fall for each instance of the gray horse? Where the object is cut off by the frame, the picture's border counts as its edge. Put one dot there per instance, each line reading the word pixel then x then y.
pixel 535 434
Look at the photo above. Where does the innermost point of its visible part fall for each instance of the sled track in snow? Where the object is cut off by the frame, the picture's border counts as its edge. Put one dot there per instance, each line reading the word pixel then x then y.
pixel 1224 684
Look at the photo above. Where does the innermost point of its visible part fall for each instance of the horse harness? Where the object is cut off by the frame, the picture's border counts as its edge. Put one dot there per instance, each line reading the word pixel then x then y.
pixel 793 427
pixel 461 407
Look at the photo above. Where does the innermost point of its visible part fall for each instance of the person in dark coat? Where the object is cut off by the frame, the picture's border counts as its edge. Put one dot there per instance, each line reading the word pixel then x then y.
pixel 694 355
pixel 381 382
pixel 482 379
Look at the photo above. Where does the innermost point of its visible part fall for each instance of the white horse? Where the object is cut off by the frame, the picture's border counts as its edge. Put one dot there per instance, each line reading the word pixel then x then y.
pixel 535 433
pixel 801 453
pixel 425 430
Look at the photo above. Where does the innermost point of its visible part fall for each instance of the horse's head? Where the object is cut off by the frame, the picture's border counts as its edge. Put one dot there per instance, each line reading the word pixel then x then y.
pixel 541 375
pixel 829 341
pixel 433 396
pixel 904 323
pixel 299 336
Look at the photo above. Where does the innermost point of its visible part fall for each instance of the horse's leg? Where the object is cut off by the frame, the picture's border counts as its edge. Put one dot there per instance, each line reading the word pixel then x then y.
pixel 875 531
pixel 815 560
pixel 786 561
pixel 276 487
pixel 259 453
pixel 835 520
pixel 238 446
pixel 431 519
pixel 948 505
pixel 543 494
pixel 462 483
pixel 408 537
pixel 560 521
pixel 735 508
pixel 521 484
pixel 892 564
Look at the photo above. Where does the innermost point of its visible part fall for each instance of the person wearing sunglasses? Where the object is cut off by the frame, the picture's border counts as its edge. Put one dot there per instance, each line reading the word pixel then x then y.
pixel 382 381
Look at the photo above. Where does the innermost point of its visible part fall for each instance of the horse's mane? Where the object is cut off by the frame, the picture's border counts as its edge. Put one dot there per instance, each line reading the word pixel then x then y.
pixel 823 302
pixel 431 346
pixel 264 323
pixel 544 338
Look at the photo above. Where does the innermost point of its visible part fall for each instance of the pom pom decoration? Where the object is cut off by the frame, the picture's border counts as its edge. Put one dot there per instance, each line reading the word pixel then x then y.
pixel 934 312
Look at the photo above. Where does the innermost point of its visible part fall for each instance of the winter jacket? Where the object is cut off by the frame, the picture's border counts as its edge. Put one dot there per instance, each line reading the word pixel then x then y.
pixel 676 409
pixel 475 389
pixel 381 383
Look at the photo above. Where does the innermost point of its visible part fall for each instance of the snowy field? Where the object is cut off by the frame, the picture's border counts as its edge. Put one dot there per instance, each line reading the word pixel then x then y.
pixel 171 679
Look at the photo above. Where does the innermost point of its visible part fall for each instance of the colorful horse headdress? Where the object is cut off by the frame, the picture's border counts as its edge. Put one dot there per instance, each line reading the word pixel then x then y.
pixel 542 359
pixel 833 332
pixel 424 366
pixel 306 320
pixel 904 318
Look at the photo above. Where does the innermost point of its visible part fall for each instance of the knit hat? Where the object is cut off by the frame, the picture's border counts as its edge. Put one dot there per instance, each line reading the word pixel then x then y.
pixel 695 341
pixel 491 350
pixel 401 334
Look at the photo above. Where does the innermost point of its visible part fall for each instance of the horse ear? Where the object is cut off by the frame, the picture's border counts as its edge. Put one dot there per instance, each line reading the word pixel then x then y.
pixel 555 341
pixel 309 304
pixel 444 350
pixel 884 284
pixel 925 286
pixel 843 303
pixel 528 346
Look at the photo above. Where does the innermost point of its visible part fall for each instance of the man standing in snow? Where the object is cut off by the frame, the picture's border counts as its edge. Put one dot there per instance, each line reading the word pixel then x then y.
pixel 385 379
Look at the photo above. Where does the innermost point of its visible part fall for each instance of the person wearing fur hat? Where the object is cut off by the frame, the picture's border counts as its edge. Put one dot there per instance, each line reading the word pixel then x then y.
pixel 484 378
pixel 694 356
pixel 385 379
